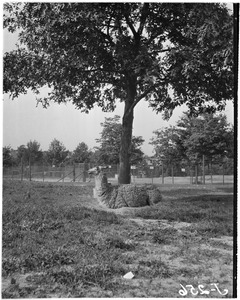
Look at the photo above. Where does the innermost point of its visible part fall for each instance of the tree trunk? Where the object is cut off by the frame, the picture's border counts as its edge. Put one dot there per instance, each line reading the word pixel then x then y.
pixel 124 161
pixel 126 139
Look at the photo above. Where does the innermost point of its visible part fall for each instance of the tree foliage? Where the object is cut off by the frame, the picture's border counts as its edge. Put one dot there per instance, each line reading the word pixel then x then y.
pixel 209 135
pixel 81 154
pixel 30 153
pixel 165 144
pixel 7 157
pixel 87 51
pixel 110 141
pixel 33 151
pixel 56 153
pixel 22 155
pixel 100 53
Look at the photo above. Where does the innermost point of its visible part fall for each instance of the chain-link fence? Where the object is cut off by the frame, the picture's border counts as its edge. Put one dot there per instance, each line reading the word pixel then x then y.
pixel 220 171
pixel 76 172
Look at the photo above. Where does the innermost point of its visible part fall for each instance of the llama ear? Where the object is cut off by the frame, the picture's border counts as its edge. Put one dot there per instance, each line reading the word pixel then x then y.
pixel 103 167
pixel 91 171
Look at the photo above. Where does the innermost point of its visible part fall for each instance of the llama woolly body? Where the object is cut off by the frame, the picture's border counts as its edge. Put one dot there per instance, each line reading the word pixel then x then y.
pixel 127 195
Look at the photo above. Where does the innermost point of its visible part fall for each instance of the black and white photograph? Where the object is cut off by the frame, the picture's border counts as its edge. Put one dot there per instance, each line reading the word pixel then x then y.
pixel 119 149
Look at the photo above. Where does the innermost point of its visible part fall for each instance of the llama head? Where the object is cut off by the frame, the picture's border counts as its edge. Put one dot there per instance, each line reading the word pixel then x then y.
pixel 101 182
pixel 97 170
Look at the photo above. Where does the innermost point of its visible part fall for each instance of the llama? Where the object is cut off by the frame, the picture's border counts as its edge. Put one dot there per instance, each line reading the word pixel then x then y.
pixel 126 195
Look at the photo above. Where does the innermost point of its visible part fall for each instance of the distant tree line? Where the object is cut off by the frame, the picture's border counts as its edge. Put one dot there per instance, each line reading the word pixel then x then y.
pixel 207 139
pixel 57 155
pixel 193 139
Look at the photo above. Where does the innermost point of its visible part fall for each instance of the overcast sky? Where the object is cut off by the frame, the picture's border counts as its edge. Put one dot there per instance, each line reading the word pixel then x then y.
pixel 23 121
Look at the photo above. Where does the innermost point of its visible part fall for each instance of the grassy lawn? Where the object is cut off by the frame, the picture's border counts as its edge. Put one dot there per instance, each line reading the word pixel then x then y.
pixel 57 242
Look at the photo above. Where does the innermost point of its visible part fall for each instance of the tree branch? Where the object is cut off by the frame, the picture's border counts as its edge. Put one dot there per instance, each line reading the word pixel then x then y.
pixel 129 23
pixel 140 97
pixel 108 26
pixel 144 94
pixel 107 36
pixel 145 10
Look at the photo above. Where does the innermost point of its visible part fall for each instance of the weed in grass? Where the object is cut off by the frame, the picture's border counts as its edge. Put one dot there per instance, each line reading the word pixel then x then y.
pixel 10 265
pixel 127 259
pixel 95 274
pixel 228 259
pixel 212 228
pixel 198 256
pixel 117 242
pixel 44 259
pixel 208 254
pixel 14 291
pixel 106 217
pixel 221 245
pixel 189 272
pixel 154 268
pixel 87 275
pixel 63 276
pixel 40 225
pixel 77 213
pixel 81 213
pixel 164 236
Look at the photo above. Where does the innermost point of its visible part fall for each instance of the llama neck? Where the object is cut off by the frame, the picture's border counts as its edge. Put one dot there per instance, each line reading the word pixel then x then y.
pixel 101 183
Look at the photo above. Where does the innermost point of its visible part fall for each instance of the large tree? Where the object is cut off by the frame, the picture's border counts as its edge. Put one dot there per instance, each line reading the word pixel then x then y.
pixel 98 53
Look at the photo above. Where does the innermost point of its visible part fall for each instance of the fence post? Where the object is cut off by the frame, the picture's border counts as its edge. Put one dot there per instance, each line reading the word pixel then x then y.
pixel 63 174
pixel 43 171
pixel 211 173
pixel 203 162
pixel 162 174
pixel 151 168
pixel 30 168
pixel 74 174
pixel 12 171
pixel 172 175
pixel 84 172
pixel 21 169
pixel 196 174
pixel 223 172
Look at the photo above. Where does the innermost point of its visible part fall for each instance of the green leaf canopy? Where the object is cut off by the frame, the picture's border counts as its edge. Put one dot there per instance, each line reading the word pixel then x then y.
pixel 98 53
